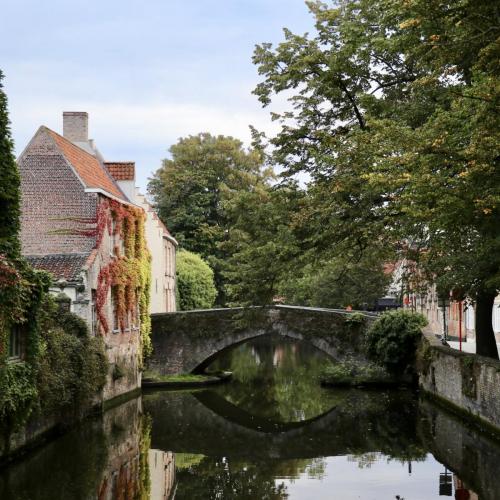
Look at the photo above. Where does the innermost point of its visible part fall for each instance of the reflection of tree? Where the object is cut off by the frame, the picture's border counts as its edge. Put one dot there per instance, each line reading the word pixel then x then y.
pixel 278 379
pixel 293 469
pixel 220 478
pixel 70 467
pixel 365 460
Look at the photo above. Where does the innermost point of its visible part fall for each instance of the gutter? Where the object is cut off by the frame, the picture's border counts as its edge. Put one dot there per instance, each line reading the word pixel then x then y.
pixel 108 195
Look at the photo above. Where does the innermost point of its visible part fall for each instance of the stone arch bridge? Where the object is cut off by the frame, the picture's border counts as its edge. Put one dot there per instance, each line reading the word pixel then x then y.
pixel 188 341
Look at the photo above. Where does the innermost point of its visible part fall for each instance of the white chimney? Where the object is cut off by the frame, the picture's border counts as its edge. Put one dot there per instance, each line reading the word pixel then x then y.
pixel 76 126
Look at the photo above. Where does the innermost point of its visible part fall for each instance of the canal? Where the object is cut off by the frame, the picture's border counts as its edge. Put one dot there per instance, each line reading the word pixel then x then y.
pixel 272 432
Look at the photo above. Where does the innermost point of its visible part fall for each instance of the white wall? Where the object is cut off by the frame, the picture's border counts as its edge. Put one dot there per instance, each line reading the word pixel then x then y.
pixel 162 248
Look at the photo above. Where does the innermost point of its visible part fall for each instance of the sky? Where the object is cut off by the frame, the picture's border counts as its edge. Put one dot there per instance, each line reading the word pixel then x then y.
pixel 147 72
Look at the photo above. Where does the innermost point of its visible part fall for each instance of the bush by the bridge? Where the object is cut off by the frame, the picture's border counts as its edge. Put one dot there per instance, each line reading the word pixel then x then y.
pixel 392 339
pixel 195 282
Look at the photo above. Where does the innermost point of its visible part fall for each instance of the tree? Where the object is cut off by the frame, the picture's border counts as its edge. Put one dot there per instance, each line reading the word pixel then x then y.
pixel 338 283
pixel 262 244
pixel 195 282
pixel 395 117
pixel 9 185
pixel 192 188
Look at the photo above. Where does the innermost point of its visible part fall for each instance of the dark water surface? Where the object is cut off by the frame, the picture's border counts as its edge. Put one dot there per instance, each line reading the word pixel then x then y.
pixel 271 433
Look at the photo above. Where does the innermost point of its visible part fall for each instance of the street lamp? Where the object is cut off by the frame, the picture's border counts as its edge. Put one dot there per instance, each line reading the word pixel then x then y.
pixel 444 302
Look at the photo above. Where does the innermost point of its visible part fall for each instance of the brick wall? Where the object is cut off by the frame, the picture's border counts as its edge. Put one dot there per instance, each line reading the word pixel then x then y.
pixel 50 192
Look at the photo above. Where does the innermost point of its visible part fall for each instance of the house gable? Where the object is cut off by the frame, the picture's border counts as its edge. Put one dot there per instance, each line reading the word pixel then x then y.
pixel 53 198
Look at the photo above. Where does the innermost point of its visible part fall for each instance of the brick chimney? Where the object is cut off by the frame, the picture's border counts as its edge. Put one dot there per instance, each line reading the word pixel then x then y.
pixel 76 126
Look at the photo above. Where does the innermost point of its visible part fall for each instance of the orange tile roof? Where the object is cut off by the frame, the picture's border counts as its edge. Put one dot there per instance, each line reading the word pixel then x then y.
pixel 121 170
pixel 62 266
pixel 90 170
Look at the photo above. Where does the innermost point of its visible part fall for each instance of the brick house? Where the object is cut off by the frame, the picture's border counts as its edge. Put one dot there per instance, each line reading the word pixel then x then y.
pixel 70 214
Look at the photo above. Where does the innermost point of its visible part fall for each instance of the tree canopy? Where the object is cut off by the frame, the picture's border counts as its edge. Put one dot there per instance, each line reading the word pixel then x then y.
pixel 192 188
pixel 394 115
pixel 9 185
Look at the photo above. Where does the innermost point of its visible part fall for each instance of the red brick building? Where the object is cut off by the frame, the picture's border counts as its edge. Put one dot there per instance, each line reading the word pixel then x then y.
pixel 67 193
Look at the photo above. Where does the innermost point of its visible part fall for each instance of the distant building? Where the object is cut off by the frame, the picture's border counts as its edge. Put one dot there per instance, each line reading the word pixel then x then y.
pixel 163 247
pixel 444 314
pixel 71 204
pixel 161 243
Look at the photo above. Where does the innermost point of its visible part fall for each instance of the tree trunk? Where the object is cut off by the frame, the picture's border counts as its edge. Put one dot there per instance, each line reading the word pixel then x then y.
pixel 485 336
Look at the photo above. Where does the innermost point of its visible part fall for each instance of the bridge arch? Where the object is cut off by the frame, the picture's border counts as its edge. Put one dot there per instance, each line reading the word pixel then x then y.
pixel 185 342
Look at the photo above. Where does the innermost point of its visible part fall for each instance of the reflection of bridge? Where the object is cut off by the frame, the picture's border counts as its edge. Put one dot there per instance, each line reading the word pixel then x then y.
pixel 189 341
pixel 364 421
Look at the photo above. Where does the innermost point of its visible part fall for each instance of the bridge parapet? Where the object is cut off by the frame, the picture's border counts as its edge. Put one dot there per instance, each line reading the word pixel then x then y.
pixel 188 341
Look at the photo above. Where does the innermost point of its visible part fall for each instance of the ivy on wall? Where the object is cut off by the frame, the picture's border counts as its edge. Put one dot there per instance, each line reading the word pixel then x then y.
pixel 22 291
pixel 128 275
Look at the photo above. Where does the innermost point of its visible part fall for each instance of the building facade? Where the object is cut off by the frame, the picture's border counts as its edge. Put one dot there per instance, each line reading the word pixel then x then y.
pixel 162 245
pixel 446 316
pixel 80 225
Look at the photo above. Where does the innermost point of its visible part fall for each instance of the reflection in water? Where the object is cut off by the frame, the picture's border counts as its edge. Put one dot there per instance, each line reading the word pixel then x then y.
pixel 277 378
pixel 162 466
pixel 222 444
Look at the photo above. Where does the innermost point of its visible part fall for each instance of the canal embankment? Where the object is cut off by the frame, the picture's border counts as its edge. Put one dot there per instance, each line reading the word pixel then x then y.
pixel 466 383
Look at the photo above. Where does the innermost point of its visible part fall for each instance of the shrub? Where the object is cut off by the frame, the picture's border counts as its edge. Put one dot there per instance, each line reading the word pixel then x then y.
pixel 195 282
pixel 353 373
pixel 17 394
pixel 392 339
pixel 72 370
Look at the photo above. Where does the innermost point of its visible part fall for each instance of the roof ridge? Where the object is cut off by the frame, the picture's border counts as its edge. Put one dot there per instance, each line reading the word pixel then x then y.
pixel 62 142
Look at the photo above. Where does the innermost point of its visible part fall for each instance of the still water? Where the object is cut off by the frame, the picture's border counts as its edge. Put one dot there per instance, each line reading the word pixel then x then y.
pixel 271 433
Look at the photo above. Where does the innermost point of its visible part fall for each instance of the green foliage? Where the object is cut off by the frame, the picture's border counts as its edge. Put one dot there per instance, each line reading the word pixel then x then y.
pixel 195 282
pixel 18 394
pixel 353 373
pixel 338 283
pixel 118 372
pixel 394 115
pixel 392 340
pixel 71 323
pixel 72 365
pixel 9 185
pixel 355 319
pixel 261 244
pixel 192 188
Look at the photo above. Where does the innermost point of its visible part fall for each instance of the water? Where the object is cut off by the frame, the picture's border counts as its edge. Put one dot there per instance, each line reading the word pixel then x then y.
pixel 271 433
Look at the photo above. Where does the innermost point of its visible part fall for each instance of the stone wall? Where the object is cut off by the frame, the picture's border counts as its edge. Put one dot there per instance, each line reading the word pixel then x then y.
pixel 467 382
pixel 470 455
pixel 188 341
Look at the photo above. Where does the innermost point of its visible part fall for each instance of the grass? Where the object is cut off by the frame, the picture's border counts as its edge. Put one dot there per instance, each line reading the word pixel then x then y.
pixel 181 377
pixel 352 374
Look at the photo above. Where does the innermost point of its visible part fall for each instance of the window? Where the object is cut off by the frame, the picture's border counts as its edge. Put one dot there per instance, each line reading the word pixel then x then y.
pixel 496 318
pixel 135 317
pixel 114 308
pixel 15 342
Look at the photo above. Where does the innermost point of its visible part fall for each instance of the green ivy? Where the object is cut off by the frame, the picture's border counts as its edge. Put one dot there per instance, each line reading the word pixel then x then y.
pixel 18 394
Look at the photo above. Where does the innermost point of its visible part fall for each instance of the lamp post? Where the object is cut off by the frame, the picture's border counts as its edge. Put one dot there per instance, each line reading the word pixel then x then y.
pixel 444 302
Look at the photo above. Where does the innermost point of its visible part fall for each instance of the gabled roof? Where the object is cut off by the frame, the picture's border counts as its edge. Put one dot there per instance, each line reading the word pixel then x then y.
pixel 121 170
pixel 91 171
pixel 148 208
pixel 63 266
